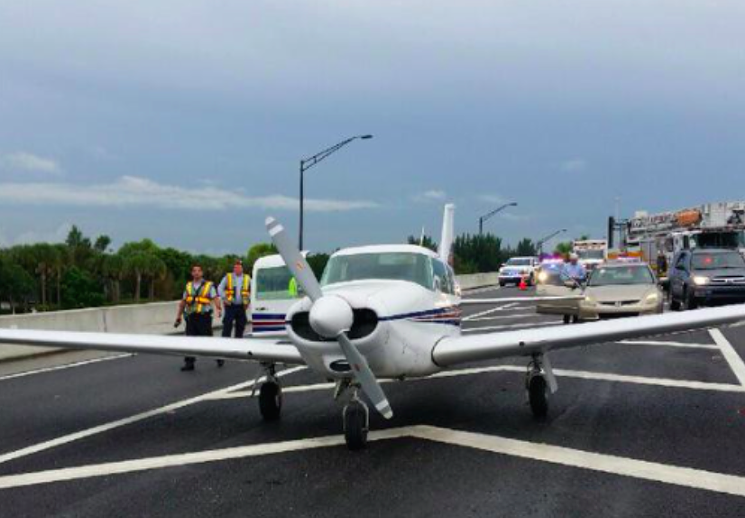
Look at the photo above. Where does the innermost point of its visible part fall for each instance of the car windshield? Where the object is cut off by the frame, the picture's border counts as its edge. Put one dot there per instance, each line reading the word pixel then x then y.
pixel 591 254
pixel 402 266
pixel 274 284
pixel 621 276
pixel 718 261
pixel 519 261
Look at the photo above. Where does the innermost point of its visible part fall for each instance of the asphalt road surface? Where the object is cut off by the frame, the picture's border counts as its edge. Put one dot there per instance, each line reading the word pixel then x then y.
pixel 636 429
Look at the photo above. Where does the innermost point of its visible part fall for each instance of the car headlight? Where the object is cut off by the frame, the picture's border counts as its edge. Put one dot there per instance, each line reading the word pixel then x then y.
pixel 652 298
pixel 589 301
pixel 700 280
pixel 542 277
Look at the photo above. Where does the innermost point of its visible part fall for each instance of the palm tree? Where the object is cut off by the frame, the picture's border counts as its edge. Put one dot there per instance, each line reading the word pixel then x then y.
pixel 60 263
pixel 136 265
pixel 45 256
pixel 156 271
pixel 113 270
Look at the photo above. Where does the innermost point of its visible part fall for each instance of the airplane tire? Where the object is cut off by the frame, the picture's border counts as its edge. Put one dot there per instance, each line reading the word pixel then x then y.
pixel 567 319
pixel 674 304
pixel 270 401
pixel 355 426
pixel 538 396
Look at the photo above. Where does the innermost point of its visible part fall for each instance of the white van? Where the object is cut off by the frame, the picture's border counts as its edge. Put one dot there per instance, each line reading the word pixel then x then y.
pixel 271 296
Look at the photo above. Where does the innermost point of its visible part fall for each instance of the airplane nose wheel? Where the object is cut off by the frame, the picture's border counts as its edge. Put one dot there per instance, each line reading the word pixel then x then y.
pixel 537 389
pixel 270 396
pixel 356 418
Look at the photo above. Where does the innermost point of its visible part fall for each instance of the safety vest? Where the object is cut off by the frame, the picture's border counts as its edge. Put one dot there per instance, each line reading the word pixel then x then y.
pixel 292 287
pixel 230 289
pixel 199 302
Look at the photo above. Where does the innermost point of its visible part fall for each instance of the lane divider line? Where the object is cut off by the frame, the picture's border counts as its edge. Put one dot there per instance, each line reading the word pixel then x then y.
pixel 564 373
pixel 66 366
pixel 76 436
pixel 729 353
pixel 492 310
pixel 542 452
pixel 669 344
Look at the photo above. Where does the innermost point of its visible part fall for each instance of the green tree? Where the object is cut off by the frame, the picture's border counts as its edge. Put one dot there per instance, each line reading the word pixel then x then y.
pixel 156 271
pixel 80 289
pixel 425 241
pixel 525 247
pixel 136 265
pixel 563 248
pixel 113 271
pixel 16 284
pixel 478 253
pixel 102 243
pixel 317 263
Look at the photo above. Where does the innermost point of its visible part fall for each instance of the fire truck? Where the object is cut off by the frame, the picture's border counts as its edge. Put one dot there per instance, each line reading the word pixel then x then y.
pixel 657 237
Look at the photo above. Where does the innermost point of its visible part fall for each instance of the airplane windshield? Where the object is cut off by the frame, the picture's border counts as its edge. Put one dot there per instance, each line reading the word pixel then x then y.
pixel 388 265
pixel 275 284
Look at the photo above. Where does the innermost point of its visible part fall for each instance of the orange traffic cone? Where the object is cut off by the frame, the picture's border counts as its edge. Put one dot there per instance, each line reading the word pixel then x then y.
pixel 523 284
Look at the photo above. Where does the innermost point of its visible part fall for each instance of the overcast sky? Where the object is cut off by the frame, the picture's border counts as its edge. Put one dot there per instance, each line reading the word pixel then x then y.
pixel 184 121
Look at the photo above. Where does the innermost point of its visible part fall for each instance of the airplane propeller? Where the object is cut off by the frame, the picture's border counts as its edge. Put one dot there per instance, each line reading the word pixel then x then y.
pixel 330 316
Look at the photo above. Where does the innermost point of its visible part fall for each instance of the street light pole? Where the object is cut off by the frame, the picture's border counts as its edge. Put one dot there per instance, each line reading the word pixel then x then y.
pixel 309 162
pixel 541 241
pixel 485 217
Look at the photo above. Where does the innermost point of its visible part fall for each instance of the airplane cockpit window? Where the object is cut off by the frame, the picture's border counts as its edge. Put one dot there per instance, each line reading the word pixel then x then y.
pixel 442 280
pixel 402 266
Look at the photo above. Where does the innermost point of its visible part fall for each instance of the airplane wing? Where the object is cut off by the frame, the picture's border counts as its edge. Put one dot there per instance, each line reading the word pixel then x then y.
pixel 463 349
pixel 507 300
pixel 281 351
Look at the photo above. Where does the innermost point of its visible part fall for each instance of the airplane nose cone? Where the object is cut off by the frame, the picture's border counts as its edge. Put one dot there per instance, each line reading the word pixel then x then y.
pixel 330 316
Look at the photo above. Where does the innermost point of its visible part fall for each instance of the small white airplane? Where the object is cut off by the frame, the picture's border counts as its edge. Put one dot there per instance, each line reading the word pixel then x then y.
pixel 383 312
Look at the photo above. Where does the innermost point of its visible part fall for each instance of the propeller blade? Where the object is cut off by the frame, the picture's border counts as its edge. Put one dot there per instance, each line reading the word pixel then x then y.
pixel 294 259
pixel 365 376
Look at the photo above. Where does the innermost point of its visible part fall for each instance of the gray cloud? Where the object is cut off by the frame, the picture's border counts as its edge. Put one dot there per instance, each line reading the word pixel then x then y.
pixel 23 162
pixel 130 191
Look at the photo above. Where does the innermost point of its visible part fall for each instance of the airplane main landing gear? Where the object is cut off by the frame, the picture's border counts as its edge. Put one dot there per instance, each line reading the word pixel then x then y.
pixel 356 418
pixel 270 395
pixel 539 382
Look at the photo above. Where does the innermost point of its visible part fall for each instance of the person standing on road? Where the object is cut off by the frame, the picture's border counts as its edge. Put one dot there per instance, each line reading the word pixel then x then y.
pixel 574 269
pixel 235 291
pixel 661 264
pixel 197 302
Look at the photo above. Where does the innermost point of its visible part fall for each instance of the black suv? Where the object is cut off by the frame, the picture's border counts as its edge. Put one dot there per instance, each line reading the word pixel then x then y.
pixel 706 276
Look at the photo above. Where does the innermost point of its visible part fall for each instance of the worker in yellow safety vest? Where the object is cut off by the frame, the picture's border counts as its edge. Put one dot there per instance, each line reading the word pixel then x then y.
pixel 197 304
pixel 235 291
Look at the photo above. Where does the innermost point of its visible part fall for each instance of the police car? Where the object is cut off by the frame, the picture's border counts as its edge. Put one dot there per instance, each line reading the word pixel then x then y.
pixel 516 268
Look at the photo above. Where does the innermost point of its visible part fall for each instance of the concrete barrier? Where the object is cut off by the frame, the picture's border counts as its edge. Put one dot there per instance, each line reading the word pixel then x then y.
pixel 478 280
pixel 153 318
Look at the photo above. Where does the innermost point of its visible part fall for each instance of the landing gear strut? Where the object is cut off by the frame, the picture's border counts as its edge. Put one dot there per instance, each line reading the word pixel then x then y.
pixel 539 382
pixel 355 416
pixel 270 395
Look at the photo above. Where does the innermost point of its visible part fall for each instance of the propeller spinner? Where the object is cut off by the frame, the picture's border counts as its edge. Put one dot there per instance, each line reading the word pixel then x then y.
pixel 330 316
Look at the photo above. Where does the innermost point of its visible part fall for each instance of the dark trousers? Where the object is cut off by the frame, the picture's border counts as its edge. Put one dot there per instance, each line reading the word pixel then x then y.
pixel 235 315
pixel 198 324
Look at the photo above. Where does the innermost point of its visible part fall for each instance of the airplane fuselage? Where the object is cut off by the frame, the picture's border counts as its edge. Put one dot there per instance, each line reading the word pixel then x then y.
pixel 397 325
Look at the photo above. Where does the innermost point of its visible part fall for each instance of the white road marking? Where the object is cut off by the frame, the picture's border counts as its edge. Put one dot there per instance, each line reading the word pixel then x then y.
pixel 729 353
pixel 586 375
pixel 492 310
pixel 669 344
pixel 65 439
pixel 62 367
pixel 515 326
pixel 610 464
